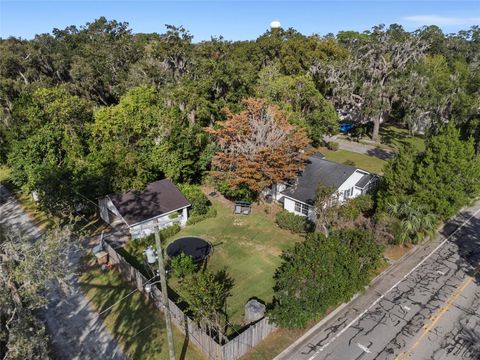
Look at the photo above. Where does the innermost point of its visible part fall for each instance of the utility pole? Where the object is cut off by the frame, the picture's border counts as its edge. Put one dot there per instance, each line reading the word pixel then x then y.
pixel 163 284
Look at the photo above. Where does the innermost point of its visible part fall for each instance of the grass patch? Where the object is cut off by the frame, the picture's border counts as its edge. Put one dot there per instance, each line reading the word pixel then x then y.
pixel 274 344
pixel 366 162
pixel 31 208
pixel 395 137
pixel 136 325
pixel 4 173
pixel 248 247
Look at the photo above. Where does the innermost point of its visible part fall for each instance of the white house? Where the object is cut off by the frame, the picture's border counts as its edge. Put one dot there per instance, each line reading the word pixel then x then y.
pixel 348 182
pixel 161 203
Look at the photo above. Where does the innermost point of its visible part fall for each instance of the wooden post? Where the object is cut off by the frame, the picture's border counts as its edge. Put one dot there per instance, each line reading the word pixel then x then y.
pixel 163 284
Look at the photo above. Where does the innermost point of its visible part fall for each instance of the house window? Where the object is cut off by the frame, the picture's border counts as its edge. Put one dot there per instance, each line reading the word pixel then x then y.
pixel 347 193
pixel 301 208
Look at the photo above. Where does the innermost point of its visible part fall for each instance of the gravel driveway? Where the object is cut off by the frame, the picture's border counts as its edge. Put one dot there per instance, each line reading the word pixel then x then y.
pixel 75 330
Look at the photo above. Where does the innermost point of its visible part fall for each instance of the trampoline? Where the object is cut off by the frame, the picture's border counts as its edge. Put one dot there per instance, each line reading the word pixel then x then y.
pixel 198 248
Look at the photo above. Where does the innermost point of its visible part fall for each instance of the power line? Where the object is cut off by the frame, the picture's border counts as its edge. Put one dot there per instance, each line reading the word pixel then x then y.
pixel 116 303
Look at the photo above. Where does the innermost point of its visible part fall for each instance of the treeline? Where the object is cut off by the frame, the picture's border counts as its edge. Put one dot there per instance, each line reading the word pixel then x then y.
pixel 96 109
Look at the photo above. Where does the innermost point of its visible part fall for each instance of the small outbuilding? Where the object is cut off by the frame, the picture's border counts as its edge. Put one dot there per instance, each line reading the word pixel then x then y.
pixel 160 203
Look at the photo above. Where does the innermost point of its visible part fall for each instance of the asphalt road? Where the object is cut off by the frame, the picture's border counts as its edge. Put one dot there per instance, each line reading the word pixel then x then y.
pixel 426 307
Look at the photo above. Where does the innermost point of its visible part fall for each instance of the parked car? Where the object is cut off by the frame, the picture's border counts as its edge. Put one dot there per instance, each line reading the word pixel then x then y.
pixel 345 127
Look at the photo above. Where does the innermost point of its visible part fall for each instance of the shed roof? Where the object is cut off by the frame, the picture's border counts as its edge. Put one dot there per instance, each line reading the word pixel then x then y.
pixel 159 197
pixel 318 170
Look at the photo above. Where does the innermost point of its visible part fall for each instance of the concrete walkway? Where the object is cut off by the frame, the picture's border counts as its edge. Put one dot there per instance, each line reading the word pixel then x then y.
pixel 360 148
pixel 76 332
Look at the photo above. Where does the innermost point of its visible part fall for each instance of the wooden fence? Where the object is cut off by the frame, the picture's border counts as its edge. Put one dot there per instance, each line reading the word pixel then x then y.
pixel 231 350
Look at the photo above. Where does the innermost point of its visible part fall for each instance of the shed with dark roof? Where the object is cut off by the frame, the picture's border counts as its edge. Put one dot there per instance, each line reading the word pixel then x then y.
pixel 160 203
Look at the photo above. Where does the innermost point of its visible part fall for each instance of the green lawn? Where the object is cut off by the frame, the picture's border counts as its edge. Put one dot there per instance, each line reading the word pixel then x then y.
pixel 248 248
pixel 366 162
pixel 4 173
pixel 137 326
pixel 395 136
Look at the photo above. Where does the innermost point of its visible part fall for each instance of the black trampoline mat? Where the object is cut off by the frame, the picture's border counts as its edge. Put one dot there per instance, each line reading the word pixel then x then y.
pixel 198 248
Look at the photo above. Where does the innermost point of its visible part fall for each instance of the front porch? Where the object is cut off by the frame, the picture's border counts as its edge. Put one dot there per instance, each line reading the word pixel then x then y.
pixel 146 228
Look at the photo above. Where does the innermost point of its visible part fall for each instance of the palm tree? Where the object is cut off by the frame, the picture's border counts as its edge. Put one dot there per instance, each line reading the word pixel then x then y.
pixel 416 222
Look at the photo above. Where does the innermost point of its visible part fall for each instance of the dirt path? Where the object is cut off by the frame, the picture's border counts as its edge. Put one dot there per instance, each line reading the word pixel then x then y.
pixel 75 330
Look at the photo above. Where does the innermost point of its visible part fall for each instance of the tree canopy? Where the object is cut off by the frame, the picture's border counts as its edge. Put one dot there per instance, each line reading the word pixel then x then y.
pixel 257 148
pixel 322 272
pixel 102 109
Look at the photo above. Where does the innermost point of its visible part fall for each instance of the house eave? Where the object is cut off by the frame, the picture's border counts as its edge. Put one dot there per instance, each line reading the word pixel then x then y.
pixel 297 200
pixel 155 217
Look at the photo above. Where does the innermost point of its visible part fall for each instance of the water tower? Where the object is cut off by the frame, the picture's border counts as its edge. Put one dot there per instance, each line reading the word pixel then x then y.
pixel 275 24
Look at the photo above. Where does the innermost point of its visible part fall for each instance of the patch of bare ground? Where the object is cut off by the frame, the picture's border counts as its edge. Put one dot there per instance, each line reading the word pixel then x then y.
pixel 261 249
pixel 395 252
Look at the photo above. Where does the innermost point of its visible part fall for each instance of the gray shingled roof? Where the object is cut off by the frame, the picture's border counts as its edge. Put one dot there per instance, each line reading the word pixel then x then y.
pixel 318 170
pixel 158 198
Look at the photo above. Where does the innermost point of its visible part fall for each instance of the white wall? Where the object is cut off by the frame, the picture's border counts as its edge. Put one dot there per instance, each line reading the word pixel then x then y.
pixel 275 191
pixel 350 184
pixel 146 228
pixel 289 205
pixel 280 187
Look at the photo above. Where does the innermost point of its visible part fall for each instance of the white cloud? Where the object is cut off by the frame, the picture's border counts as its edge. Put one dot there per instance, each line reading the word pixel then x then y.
pixel 442 20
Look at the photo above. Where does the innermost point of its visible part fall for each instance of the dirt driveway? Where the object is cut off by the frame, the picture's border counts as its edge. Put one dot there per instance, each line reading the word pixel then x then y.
pixel 74 328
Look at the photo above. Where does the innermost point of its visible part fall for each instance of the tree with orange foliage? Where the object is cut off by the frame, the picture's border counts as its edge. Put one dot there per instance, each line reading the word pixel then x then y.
pixel 257 148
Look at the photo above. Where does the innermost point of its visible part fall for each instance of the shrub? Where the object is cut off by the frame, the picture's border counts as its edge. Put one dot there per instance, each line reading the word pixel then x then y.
pixel 173 215
pixel 196 197
pixel 348 211
pixel 182 265
pixel 332 145
pixel 363 202
pixel 241 192
pixel 295 223
pixel 211 213
pixel 170 231
pixel 353 208
pixel 359 132
pixel 317 274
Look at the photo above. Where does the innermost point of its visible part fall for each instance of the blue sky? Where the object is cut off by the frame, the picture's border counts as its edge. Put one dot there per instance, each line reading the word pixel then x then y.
pixel 235 20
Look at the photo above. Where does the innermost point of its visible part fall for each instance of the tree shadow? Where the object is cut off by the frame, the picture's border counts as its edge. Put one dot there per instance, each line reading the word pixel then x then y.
pixel 393 137
pixel 381 153
pixel 186 340
pixel 133 320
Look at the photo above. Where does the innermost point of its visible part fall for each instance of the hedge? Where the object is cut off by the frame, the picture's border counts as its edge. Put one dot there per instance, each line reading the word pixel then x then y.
pixel 211 213
pixel 295 223
pixel 195 195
